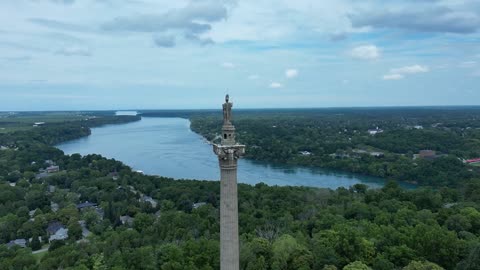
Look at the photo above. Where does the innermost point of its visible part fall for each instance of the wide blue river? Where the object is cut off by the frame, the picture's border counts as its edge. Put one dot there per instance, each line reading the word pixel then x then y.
pixel 167 147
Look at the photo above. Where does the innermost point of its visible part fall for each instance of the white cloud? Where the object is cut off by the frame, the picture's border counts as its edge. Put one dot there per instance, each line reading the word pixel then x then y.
pixel 191 21
pixel 389 77
pixel 253 77
pixel 468 64
pixel 410 69
pixel 399 73
pixel 276 85
pixel 366 52
pixel 74 51
pixel 426 16
pixel 291 73
pixel 228 65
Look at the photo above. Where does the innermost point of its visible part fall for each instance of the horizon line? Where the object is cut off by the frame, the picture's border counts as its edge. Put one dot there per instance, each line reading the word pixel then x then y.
pixel 252 108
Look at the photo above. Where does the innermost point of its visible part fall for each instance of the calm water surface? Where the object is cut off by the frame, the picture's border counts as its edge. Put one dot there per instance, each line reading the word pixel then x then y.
pixel 167 147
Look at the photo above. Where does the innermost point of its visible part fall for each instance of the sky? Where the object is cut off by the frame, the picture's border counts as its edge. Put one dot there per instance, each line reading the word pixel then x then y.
pixel 187 54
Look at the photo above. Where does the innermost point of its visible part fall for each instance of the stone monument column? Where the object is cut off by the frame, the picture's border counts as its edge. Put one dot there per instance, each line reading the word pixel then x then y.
pixel 228 152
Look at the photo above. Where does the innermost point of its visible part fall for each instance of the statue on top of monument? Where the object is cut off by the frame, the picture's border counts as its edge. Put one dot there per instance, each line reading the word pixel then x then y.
pixel 227 111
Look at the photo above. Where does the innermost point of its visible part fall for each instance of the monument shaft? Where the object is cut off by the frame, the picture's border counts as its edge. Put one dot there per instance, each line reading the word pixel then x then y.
pixel 228 152
pixel 229 244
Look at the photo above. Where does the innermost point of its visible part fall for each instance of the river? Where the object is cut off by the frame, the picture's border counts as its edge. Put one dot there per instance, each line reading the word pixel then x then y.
pixel 167 147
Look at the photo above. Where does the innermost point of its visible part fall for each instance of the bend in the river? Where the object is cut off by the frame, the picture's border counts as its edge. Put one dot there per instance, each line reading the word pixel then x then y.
pixel 167 147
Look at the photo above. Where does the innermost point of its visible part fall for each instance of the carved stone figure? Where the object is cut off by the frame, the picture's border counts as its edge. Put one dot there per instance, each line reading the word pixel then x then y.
pixel 227 112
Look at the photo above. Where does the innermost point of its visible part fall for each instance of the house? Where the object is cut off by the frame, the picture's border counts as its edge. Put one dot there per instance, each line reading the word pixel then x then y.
pixel 373 154
pixel 61 234
pixel 305 153
pixel 12 184
pixel 375 131
pixel 127 220
pixel 377 154
pixel 148 199
pixel 89 205
pixel 3 147
pixel 85 205
pixel 57 231
pixel 418 127
pixel 52 169
pixel 51 189
pixel 54 206
pixel 473 161
pixel 17 242
pixel 54 226
pixel 449 205
pixel 32 213
pixel 199 204
pixel 114 175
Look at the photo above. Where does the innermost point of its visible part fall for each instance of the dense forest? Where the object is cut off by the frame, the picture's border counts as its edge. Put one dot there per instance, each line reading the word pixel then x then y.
pixel 379 142
pixel 177 226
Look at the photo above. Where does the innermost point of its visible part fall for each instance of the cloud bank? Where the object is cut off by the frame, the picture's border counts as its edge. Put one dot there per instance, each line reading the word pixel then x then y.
pixel 189 22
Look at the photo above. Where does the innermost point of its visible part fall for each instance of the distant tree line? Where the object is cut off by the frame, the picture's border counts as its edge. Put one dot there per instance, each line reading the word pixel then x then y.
pixel 332 138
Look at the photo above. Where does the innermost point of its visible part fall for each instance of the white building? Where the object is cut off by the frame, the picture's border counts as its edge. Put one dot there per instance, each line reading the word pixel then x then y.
pixel 375 131
pixel 305 153
pixel 61 234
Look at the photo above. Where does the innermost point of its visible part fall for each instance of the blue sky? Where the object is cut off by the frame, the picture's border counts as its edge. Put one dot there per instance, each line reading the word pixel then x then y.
pixel 156 54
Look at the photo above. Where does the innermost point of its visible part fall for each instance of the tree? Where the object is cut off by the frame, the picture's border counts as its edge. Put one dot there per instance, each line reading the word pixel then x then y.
pixel 23 260
pixel 357 265
pixel 142 221
pixel 287 253
pixel 35 243
pixel 255 254
pixel 99 262
pixel 36 199
pixel 436 244
pixel 55 244
pixel 472 262
pixel 74 230
pixel 425 265
pixel 353 246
